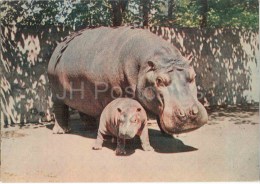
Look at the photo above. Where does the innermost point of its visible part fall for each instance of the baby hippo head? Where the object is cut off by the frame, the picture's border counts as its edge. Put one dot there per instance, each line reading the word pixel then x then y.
pixel 130 122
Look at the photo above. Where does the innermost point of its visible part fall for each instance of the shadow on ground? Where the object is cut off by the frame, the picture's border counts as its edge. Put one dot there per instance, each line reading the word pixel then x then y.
pixel 167 144
pixel 239 115
pixel 160 142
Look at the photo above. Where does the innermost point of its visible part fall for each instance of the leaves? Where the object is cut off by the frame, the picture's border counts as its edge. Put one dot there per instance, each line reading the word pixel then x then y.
pixel 82 13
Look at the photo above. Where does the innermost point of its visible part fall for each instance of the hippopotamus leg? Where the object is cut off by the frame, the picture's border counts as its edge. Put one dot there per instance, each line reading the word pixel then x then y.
pixel 61 113
pixel 113 140
pixel 99 141
pixel 120 149
pixel 144 137
pixel 89 122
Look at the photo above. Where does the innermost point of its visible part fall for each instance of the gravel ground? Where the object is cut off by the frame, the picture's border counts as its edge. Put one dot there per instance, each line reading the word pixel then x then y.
pixel 226 149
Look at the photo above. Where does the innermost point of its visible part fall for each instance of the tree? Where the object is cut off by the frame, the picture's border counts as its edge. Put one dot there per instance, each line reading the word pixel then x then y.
pixel 118 8
pixel 203 10
pixel 171 9
pixel 83 13
pixel 146 11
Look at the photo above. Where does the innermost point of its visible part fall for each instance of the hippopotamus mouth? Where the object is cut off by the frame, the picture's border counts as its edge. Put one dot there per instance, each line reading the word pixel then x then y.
pixel 175 124
pixel 180 127
pixel 176 131
pixel 184 127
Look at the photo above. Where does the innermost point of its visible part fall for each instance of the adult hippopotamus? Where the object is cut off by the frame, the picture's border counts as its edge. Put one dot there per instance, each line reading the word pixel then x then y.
pixel 92 67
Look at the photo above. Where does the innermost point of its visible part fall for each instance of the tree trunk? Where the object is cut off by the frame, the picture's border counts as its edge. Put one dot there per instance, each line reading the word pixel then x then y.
pixel 146 11
pixel 203 10
pixel 116 13
pixel 171 9
pixel 118 8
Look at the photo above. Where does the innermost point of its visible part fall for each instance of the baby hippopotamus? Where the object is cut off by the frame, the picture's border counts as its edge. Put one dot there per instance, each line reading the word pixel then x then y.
pixel 123 118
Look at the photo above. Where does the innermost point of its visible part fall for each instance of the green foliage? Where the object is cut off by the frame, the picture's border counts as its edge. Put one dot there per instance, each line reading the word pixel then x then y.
pixel 187 14
pixel 235 13
pixel 89 13
pixel 133 16
pixel 221 13
pixel 82 13
pixel 52 12
pixel 28 13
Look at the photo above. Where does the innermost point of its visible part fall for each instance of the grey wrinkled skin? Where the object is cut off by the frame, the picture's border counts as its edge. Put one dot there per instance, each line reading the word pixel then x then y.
pixel 134 60
pixel 123 118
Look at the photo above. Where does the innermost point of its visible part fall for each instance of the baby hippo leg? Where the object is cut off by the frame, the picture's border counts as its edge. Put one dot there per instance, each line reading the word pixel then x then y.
pixel 120 149
pixel 113 140
pixel 99 142
pixel 144 137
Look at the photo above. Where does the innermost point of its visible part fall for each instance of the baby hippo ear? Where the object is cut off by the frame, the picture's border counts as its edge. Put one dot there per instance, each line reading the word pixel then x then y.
pixel 119 110
pixel 138 109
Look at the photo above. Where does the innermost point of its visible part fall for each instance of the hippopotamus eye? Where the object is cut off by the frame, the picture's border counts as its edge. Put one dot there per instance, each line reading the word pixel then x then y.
pixel 136 121
pixel 159 81
pixel 180 69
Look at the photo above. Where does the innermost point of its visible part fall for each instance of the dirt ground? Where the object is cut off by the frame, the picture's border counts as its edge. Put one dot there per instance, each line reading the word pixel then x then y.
pixel 226 149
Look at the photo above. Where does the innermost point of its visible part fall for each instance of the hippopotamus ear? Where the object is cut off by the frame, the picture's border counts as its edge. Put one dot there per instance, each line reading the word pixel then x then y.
pixel 119 110
pixel 138 109
pixel 189 58
pixel 151 65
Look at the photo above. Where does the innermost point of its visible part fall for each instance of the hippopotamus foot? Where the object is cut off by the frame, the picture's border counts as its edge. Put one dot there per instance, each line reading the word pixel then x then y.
pixel 99 142
pixel 97 146
pixel 61 114
pixel 147 148
pixel 120 149
pixel 144 137
pixel 58 130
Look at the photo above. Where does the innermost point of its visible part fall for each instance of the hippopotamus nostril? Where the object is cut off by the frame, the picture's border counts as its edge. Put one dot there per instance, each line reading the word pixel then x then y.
pixel 194 110
pixel 181 113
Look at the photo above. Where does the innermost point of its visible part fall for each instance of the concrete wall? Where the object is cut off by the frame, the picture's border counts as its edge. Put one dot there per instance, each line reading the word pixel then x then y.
pixel 225 61
pixel 25 92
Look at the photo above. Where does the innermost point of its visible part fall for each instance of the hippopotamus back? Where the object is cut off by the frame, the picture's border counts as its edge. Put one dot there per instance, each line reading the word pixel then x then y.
pixel 105 55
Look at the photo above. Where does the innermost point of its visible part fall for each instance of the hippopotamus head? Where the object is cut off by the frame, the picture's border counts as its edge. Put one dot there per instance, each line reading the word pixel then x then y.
pixel 166 86
pixel 130 122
